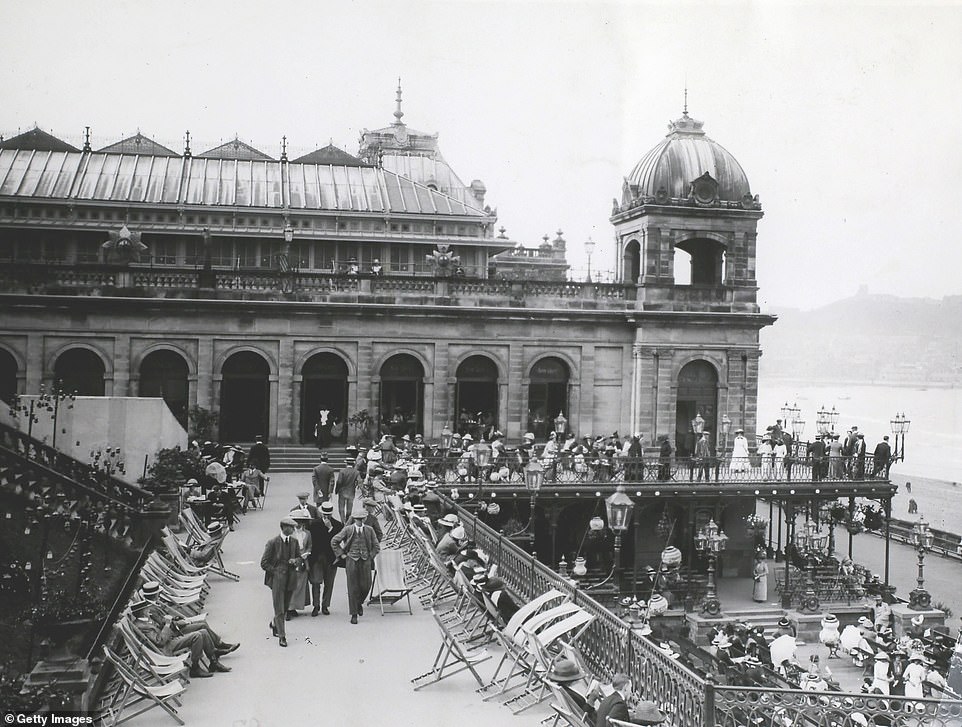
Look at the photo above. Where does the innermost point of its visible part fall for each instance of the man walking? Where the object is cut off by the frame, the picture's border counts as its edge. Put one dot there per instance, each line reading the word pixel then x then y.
pixel 346 489
pixel 322 477
pixel 322 563
pixel 358 544
pixel 282 555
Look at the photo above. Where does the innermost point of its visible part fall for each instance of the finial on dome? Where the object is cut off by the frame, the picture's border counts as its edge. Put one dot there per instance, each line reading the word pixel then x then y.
pixel 398 113
pixel 86 138
pixel 685 109
pixel 284 148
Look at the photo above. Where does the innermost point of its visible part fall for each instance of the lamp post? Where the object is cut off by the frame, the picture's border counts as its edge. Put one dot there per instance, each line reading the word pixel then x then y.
pixel 823 421
pixel 482 458
pixel 589 248
pixel 619 508
pixel 560 426
pixel 711 541
pixel 285 257
pixel 922 539
pixel 900 427
pixel 798 429
pixel 810 542
pixel 833 417
pixel 533 479
pixel 446 435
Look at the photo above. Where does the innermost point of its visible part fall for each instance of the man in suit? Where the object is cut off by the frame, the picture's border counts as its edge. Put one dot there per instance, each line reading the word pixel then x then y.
pixel 358 545
pixel 817 451
pixel 260 455
pixel 346 489
pixel 704 456
pixel 150 592
pixel 162 637
pixel 303 504
pixel 615 704
pixel 858 457
pixel 322 477
pixel 882 457
pixel 370 504
pixel 282 555
pixel 322 563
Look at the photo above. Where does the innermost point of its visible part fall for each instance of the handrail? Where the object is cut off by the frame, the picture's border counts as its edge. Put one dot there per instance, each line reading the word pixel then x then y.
pixel 73 472
pixel 609 645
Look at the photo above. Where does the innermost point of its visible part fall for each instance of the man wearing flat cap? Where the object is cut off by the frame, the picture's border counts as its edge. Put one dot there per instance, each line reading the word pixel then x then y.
pixel 303 504
pixel 282 554
pixel 358 545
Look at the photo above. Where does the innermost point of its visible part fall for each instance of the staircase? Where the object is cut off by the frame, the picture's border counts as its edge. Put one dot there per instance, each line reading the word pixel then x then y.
pixel 304 457
pixel 766 618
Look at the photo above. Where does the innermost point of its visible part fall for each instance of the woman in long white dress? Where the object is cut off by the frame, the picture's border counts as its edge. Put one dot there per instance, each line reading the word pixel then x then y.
pixel 740 462
pixel 301 598
pixel 779 452
pixel 765 452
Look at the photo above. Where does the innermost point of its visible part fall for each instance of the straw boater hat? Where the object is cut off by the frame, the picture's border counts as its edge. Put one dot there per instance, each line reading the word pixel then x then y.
pixel 565 670
pixel 784 623
pixel 450 520
pixel 139 607
pixel 327 508
pixel 721 641
pixel 866 622
pixel 214 528
pixel 647 713
pixel 150 589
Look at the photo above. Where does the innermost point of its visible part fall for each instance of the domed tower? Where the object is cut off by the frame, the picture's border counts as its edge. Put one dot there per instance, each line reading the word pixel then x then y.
pixel 688 195
pixel 686 231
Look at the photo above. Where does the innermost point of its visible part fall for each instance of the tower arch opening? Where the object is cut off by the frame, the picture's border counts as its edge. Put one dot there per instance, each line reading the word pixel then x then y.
pixel 699 261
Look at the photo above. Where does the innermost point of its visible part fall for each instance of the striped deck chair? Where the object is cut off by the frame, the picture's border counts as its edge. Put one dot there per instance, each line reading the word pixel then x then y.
pixel 389 586
pixel 453 657
pixel 140 696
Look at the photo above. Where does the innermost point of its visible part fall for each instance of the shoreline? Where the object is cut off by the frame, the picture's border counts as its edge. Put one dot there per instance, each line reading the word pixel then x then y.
pixel 921 386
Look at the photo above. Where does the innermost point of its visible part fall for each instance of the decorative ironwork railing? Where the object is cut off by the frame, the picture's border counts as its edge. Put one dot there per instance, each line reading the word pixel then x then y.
pixel 567 469
pixel 739 706
pixel 609 645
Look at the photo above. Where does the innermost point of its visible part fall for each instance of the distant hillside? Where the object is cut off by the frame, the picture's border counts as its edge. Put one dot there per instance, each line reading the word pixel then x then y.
pixel 868 338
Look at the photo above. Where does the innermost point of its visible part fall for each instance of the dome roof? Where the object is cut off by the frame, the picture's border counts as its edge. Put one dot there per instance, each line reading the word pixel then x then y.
pixel 685 155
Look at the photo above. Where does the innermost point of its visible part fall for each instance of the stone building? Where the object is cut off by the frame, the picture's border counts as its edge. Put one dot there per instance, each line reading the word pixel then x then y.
pixel 286 293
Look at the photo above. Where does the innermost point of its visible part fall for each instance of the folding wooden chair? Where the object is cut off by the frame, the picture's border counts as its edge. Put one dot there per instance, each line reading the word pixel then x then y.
pixel 389 585
pixel 453 657
pixel 567 709
pixel 140 695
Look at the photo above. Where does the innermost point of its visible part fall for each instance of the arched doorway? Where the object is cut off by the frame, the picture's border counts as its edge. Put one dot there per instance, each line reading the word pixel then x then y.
pixel 476 396
pixel 547 395
pixel 164 374
pixel 8 377
pixel 697 396
pixel 80 371
pixel 324 399
pixel 632 262
pixel 402 395
pixel 244 397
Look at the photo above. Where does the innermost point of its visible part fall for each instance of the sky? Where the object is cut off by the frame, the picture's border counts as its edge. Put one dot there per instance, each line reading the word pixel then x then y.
pixel 844 116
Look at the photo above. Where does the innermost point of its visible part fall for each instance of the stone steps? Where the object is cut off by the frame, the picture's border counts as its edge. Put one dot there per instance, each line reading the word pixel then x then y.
pixel 303 458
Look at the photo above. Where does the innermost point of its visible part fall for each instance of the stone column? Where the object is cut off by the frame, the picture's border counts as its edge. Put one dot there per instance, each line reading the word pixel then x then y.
pixel 283 403
pixel 120 371
pixel 206 396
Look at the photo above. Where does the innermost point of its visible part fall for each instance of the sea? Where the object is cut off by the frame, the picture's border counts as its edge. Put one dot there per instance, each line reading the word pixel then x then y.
pixel 933 450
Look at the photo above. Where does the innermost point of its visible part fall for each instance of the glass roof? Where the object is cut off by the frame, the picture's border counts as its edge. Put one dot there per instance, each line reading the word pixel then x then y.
pixel 218 182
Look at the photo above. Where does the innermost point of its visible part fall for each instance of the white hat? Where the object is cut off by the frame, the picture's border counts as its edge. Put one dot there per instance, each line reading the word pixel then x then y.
pixel 450 520
pixel 528 435
pixel 468 437
pixel 458 533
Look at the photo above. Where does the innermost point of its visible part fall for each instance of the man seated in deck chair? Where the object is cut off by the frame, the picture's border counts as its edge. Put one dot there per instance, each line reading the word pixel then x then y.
pixel 568 675
pixel 451 542
pixel 506 606
pixel 203 553
pixel 162 639
pixel 150 592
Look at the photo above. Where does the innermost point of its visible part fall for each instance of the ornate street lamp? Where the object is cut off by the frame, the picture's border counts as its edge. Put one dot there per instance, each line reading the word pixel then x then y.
pixel 589 248
pixel 619 508
pixel 833 417
pixel 922 539
pixel 810 542
pixel 823 421
pixel 711 541
pixel 786 412
pixel 446 435
pixel 482 458
pixel 900 427
pixel 560 425
pixel 533 479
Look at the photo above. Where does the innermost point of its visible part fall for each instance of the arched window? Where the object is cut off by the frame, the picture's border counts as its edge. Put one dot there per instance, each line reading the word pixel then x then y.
pixel 632 263
pixel 324 399
pixel 476 396
pixel 8 377
pixel 80 370
pixel 547 395
pixel 402 395
pixel 244 397
pixel 699 262
pixel 164 374
pixel 696 405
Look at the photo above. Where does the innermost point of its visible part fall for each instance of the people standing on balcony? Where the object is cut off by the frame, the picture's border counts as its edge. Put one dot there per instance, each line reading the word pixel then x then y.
pixel 549 458
pixel 376 268
pixel 664 459
pixel 740 462
pixel 766 454
pixel 882 457
pixel 858 455
pixel 704 453
pixel 635 465
pixel 352 267
pixel 836 467
pixel 779 452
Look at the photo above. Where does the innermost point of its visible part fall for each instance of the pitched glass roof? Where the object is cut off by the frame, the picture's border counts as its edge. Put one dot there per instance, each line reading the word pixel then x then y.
pixel 217 182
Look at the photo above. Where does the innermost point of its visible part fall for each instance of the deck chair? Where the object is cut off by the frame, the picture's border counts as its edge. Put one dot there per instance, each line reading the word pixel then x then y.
pixel 453 657
pixel 565 708
pixel 158 667
pixel 539 645
pixel 139 696
pixel 199 537
pixel 389 585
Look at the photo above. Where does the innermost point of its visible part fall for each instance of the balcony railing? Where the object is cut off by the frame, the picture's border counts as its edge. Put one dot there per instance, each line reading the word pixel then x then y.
pixel 191 282
pixel 691 698
pixel 573 470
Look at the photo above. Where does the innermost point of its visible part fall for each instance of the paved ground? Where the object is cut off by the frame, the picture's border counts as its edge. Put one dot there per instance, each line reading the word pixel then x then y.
pixel 332 673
